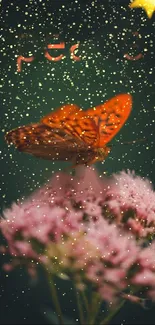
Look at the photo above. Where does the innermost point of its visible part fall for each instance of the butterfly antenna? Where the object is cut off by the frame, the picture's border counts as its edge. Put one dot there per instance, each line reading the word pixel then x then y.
pixel 128 142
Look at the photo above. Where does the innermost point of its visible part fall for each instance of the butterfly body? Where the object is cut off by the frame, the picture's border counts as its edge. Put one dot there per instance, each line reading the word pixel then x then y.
pixel 71 134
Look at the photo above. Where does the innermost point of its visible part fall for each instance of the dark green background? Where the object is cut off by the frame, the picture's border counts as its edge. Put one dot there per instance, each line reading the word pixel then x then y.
pixel 105 32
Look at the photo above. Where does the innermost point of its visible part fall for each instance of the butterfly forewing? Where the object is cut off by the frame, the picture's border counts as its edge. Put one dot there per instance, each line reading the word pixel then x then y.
pixel 56 118
pixel 75 122
pixel 110 117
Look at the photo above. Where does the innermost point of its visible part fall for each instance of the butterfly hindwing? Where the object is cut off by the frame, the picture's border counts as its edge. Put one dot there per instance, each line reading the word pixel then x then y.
pixel 45 142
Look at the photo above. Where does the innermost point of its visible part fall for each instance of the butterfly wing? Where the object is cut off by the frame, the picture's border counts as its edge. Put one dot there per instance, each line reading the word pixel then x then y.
pixel 72 133
pixel 73 121
pixel 110 117
pixel 47 143
pixel 56 118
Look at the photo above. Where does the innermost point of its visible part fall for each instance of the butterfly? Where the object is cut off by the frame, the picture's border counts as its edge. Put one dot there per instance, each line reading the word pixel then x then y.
pixel 72 134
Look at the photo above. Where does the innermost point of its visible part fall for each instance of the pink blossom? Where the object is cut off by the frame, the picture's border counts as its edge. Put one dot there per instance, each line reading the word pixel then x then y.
pixel 117 254
pixel 84 227
pixel 103 254
pixel 145 275
pixel 132 201
pixel 42 223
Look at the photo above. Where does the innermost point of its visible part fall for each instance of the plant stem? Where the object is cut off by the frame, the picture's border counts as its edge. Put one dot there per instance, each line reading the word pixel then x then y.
pixel 95 306
pixel 83 295
pixel 81 316
pixel 55 299
pixel 112 314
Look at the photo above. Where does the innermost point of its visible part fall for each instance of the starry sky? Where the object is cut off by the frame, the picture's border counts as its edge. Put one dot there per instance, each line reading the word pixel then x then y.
pixel 106 31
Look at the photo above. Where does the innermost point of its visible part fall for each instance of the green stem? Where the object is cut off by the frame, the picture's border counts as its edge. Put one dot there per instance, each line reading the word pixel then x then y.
pixel 55 299
pixel 85 301
pixel 94 309
pixel 112 314
pixel 81 316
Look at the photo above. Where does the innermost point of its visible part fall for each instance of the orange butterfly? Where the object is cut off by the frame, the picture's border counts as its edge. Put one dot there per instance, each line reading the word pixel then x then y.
pixel 72 134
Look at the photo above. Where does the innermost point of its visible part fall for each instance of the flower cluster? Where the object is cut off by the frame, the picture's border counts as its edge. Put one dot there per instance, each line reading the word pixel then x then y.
pixel 88 228
pixel 132 202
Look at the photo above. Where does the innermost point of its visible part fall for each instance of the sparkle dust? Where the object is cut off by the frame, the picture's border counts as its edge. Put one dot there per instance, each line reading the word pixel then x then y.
pixel 91 231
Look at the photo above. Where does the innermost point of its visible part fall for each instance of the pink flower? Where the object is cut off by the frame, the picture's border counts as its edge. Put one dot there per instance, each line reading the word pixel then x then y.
pixel 107 258
pixel 132 201
pixel 84 227
pixel 145 275
pixel 117 254
pixel 102 255
pixel 37 222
